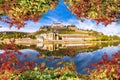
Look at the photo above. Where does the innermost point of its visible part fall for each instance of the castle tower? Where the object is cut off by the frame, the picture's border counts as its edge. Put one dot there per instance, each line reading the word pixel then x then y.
pixel 57 26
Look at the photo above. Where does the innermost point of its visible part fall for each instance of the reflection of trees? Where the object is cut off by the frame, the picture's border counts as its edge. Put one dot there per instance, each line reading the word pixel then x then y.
pixel 69 51
pixel 72 51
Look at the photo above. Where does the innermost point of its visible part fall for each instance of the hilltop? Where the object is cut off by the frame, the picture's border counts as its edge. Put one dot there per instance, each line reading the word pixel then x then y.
pixel 66 29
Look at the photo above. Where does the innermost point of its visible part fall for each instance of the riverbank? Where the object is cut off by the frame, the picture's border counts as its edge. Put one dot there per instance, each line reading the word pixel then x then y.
pixel 34 41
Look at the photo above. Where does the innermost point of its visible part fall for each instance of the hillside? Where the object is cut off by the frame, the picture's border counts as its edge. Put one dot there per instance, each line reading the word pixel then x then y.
pixel 13 34
pixel 70 29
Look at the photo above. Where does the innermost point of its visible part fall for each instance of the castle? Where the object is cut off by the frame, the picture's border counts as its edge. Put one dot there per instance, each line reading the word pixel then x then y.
pixel 54 35
pixel 57 26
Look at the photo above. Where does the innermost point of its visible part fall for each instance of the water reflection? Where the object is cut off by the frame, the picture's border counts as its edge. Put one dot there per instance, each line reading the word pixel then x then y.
pixel 53 47
pixel 70 49
pixel 82 60
pixel 82 54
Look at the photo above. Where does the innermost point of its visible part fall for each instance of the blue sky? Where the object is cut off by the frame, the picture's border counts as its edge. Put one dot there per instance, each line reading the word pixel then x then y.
pixel 61 14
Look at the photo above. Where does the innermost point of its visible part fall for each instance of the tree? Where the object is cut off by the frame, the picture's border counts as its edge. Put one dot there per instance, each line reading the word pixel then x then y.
pixel 105 11
pixel 19 11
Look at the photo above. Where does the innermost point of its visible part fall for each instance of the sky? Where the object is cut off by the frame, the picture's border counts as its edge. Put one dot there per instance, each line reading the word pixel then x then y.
pixel 61 14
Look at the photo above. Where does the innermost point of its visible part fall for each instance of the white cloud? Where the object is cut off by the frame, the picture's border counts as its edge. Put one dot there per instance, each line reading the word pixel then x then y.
pixel 53 19
pixel 111 29
pixel 29 27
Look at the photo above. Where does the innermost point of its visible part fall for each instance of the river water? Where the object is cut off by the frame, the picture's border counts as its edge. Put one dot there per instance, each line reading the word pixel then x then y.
pixel 81 54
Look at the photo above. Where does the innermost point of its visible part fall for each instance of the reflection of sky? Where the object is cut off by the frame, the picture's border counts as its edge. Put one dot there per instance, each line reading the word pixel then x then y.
pixel 61 14
pixel 1 51
pixel 82 60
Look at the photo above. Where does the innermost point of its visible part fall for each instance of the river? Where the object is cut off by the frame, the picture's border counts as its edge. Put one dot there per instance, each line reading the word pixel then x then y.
pixel 81 54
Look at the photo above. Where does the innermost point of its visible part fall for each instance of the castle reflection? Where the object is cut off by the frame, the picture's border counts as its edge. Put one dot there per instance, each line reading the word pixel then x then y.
pixel 54 47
